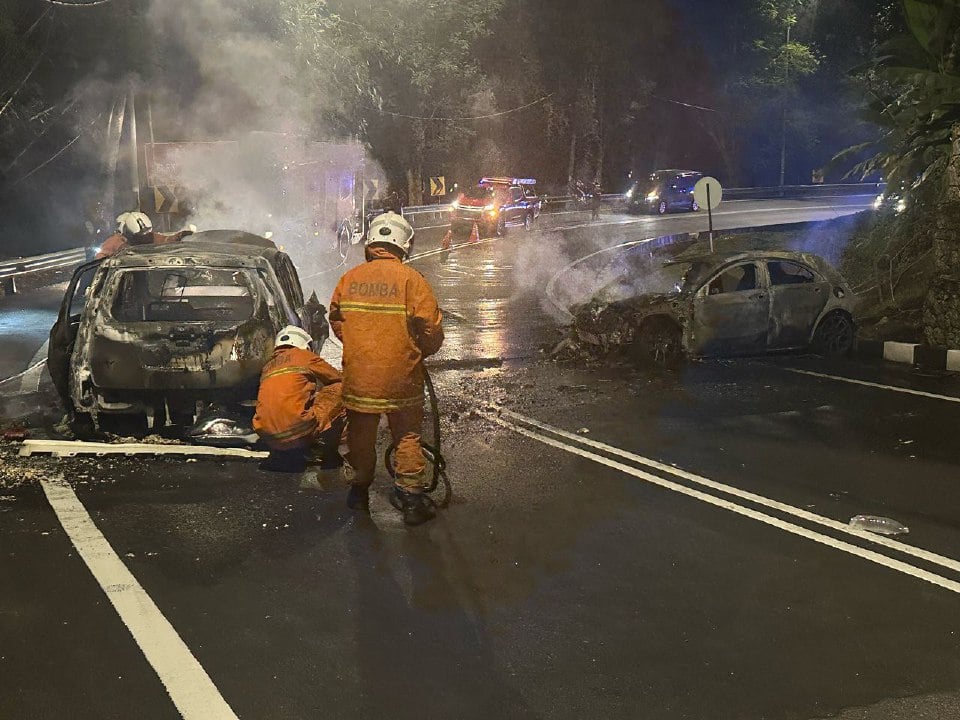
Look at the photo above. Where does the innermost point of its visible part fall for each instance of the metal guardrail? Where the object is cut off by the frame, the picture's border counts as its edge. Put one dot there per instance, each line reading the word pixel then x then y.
pixel 11 270
pixel 50 261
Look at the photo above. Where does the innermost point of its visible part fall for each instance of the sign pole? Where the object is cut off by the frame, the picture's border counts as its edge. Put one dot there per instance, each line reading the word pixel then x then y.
pixel 710 216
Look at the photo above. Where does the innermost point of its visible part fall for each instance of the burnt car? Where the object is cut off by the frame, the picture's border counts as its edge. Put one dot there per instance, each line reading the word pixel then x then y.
pixel 167 330
pixel 721 304
pixel 496 204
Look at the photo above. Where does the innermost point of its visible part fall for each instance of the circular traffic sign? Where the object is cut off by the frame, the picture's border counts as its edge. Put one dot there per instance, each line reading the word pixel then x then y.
pixel 707 199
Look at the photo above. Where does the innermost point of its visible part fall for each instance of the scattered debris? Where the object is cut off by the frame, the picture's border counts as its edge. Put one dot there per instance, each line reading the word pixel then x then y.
pixel 878 525
pixel 583 431
pixel 15 434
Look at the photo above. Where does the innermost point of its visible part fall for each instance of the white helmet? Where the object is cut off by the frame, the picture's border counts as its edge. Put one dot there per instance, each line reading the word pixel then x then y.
pixel 121 219
pixel 391 229
pixel 134 225
pixel 293 336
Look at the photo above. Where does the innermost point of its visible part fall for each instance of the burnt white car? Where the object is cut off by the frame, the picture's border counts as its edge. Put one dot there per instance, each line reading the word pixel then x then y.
pixel 722 304
pixel 167 330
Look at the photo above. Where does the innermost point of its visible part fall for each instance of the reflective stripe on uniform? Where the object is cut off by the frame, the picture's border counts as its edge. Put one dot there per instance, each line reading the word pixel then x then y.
pixel 381 404
pixel 374 308
pixel 287 370
pixel 302 428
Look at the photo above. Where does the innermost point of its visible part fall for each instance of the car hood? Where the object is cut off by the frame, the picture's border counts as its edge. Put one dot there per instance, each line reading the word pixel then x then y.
pixel 607 324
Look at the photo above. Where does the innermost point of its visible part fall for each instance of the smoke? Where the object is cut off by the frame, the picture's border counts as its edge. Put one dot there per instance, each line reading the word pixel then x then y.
pixel 236 122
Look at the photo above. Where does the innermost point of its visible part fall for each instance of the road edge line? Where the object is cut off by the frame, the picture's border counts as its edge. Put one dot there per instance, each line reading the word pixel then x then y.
pixel 186 682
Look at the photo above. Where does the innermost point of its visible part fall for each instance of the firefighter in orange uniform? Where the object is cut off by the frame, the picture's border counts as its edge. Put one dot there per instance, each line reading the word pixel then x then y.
pixel 135 228
pixel 387 317
pixel 299 413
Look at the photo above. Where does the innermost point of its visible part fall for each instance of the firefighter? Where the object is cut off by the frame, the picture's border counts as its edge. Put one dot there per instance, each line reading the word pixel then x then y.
pixel 135 228
pixel 387 317
pixel 595 201
pixel 299 412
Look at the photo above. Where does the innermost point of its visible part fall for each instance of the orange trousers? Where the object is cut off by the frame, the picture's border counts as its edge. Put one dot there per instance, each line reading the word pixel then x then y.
pixel 405 428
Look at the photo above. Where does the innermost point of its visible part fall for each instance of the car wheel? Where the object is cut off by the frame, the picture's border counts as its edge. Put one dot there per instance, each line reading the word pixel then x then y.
pixel 659 343
pixel 694 206
pixel 834 335
pixel 662 207
pixel 528 222
pixel 501 226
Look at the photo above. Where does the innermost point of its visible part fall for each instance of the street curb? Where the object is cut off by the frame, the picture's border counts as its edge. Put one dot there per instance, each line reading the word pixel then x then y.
pixel 916 354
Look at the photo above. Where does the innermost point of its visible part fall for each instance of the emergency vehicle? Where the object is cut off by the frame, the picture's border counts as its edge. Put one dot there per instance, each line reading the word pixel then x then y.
pixel 495 204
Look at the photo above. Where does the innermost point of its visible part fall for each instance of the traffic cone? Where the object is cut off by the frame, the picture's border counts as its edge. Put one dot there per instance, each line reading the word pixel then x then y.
pixel 447 240
pixel 474 234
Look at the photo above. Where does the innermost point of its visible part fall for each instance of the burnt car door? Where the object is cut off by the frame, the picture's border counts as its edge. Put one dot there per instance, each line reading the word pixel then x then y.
pixel 797 296
pixel 732 312
pixel 63 334
pixel 311 313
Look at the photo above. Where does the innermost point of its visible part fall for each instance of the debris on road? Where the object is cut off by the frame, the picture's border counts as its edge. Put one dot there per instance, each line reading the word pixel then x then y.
pixel 15 434
pixel 63 448
pixel 878 525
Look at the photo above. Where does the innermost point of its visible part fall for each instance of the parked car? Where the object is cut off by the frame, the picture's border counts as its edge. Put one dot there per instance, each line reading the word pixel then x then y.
pixel 663 191
pixel 722 304
pixel 496 204
pixel 174 328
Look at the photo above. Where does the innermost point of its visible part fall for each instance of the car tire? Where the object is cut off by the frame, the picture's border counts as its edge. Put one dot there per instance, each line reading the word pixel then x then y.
pixel 659 343
pixel 528 222
pixel 662 207
pixel 694 206
pixel 834 335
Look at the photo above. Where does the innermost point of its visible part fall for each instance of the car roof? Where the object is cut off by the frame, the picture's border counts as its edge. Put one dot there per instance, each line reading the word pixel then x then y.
pixel 720 258
pixel 230 248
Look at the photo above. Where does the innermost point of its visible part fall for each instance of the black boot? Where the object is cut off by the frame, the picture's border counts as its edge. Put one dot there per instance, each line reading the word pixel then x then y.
pixel 359 499
pixel 417 508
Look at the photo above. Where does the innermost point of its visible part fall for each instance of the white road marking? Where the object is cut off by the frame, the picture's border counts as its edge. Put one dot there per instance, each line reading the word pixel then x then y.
pixel 30 383
pixel 920 554
pixel 185 680
pixel 778 523
pixel 879 386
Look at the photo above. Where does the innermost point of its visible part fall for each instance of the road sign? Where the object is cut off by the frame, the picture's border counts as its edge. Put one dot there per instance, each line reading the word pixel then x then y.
pixel 708 193
pixel 167 199
pixel 438 186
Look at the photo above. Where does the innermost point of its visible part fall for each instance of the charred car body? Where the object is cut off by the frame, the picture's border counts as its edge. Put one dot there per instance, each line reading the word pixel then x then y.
pixel 721 304
pixel 171 328
pixel 496 204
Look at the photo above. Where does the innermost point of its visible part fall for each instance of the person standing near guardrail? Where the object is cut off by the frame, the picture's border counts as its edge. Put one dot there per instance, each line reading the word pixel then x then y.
pixel 595 202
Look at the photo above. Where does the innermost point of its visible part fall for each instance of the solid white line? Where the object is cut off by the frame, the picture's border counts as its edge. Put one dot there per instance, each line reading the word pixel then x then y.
pixel 187 683
pixel 920 554
pixel 31 378
pixel 879 386
pixel 846 547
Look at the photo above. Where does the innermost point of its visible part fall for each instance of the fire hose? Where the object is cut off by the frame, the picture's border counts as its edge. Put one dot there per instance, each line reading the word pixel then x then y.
pixel 431 451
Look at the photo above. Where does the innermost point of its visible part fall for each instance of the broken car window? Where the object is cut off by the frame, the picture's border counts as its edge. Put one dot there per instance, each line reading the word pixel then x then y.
pixel 788 273
pixel 734 279
pixel 183 295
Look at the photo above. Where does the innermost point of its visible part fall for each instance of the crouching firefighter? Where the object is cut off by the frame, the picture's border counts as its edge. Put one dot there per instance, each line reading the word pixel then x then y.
pixel 387 317
pixel 299 413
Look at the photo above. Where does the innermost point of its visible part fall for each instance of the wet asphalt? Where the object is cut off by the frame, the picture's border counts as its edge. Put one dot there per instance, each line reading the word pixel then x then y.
pixel 620 543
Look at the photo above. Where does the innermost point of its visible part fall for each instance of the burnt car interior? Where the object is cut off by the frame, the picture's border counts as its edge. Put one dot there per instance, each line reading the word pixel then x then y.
pixel 735 279
pixel 183 295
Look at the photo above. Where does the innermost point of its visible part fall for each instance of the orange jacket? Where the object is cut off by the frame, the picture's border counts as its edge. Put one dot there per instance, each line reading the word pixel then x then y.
pixel 387 317
pixel 117 242
pixel 290 394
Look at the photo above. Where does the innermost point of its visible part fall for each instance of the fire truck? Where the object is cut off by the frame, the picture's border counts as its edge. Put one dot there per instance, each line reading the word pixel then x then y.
pixel 495 204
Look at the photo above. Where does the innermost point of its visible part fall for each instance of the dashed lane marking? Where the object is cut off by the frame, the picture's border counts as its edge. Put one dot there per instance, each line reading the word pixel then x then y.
pixel 878 386
pixel 518 422
pixel 187 683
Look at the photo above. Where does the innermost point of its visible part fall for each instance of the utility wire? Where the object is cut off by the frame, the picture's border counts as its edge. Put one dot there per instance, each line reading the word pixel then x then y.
pixel 678 102
pixel 25 35
pixel 57 154
pixel 464 119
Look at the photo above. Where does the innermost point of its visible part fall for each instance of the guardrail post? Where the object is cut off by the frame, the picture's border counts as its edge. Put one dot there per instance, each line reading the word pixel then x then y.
pixel 10 285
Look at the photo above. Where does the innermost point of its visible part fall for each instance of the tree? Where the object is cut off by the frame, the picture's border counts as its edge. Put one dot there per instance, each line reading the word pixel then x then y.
pixel 914 86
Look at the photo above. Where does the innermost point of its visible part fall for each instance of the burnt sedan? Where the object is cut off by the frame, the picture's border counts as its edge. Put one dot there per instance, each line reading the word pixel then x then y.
pixel 721 304
pixel 164 331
